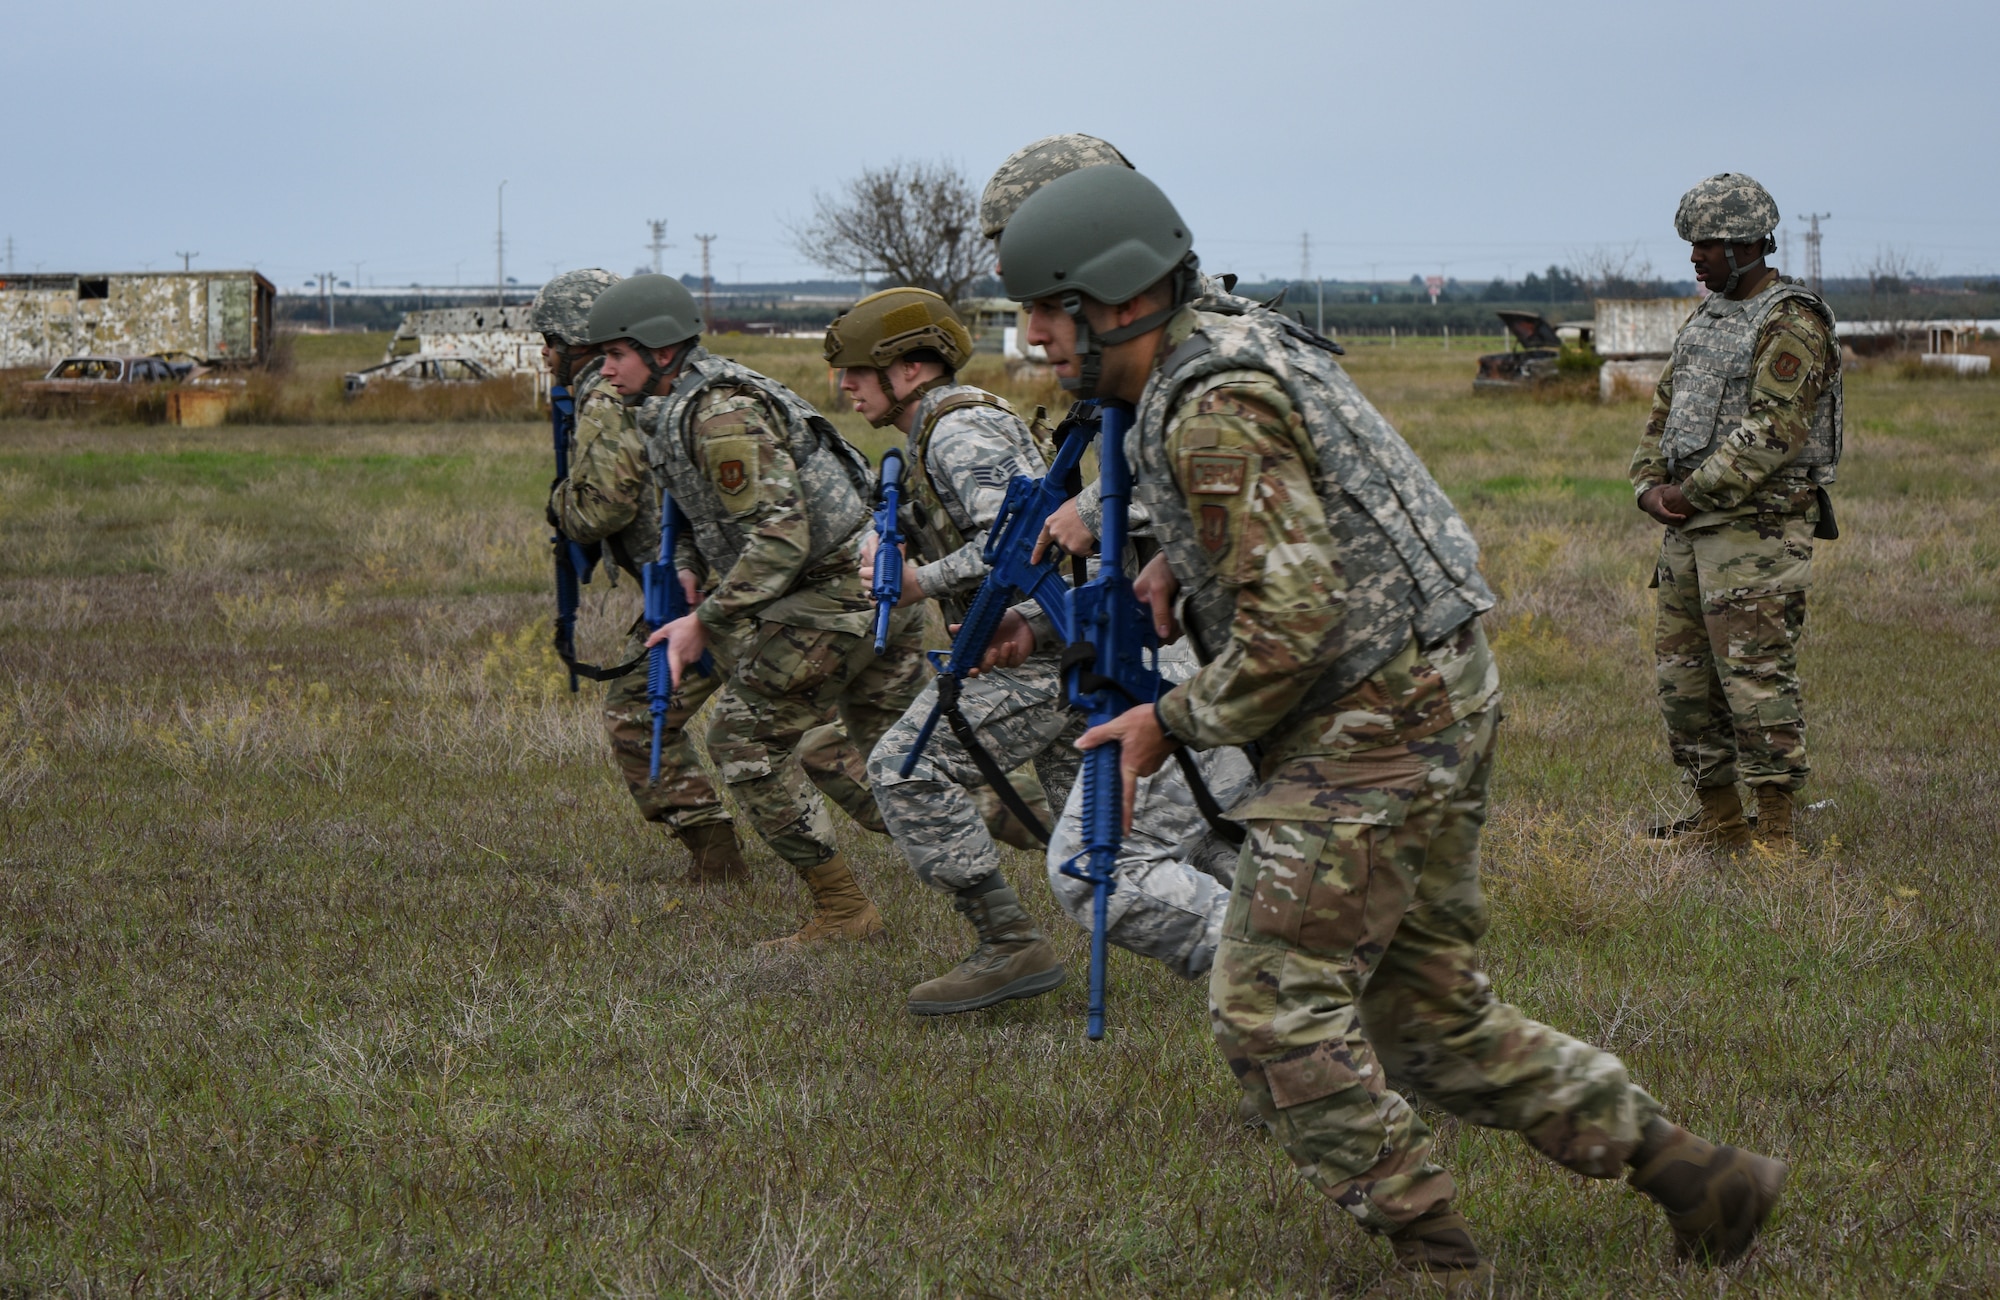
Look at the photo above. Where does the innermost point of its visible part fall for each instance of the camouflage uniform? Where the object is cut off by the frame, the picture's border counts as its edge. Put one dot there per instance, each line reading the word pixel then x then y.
pixel 1746 420
pixel 610 497
pixel 771 494
pixel 1359 669
pixel 967 446
pixel 1174 870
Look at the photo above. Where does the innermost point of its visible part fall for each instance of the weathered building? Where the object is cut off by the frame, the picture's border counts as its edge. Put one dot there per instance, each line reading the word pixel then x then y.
pixel 219 318
pixel 502 339
pixel 1635 336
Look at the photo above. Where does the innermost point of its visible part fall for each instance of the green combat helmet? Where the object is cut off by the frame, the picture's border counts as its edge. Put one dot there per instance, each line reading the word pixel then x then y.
pixel 562 308
pixel 654 311
pixel 1106 233
pixel 1027 170
pixel 892 324
pixel 1733 208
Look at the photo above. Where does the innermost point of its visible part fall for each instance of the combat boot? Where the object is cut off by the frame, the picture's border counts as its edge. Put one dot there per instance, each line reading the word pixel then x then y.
pixel 840 909
pixel 1435 1255
pixel 1721 824
pixel 714 856
pixel 1716 1198
pixel 1774 819
pixel 1013 959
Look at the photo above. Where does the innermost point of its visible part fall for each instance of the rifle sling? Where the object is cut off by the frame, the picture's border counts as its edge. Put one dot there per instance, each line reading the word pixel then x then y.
pixel 988 766
pixel 1081 655
pixel 567 654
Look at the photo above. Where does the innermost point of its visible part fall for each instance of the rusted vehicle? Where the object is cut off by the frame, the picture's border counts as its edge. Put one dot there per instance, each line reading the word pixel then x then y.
pixel 417 370
pixel 86 375
pixel 1532 359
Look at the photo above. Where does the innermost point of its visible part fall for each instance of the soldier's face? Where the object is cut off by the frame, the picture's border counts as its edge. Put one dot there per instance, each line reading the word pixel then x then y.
pixel 863 387
pixel 625 367
pixel 1051 329
pixel 1711 263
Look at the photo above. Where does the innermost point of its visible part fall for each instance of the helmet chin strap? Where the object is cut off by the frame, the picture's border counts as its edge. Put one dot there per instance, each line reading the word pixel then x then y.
pixel 657 373
pixel 897 405
pixel 1090 344
pixel 1770 246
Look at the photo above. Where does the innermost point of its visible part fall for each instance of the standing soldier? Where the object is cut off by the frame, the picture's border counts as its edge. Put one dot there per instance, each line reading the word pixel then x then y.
pixel 776 501
pixel 610 498
pixel 1735 459
pixel 1333 595
pixel 899 352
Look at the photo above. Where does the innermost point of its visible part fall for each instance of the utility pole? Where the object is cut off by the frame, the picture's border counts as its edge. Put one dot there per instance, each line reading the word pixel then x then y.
pixel 500 247
pixel 186 258
pixel 326 284
pixel 10 255
pixel 1812 249
pixel 659 243
pixel 706 284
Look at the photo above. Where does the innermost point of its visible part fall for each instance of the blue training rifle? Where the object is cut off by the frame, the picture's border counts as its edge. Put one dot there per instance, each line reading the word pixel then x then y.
pixel 573 562
pixel 1112 665
pixel 1011 576
pixel 665 602
pixel 888 585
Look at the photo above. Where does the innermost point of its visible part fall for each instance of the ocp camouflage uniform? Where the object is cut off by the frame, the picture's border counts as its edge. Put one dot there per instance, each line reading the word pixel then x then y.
pixel 967 446
pixel 772 498
pixel 1733 422
pixel 1174 870
pixel 1333 594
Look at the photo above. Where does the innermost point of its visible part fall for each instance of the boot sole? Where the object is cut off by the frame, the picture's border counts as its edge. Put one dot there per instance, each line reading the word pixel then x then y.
pixel 1028 986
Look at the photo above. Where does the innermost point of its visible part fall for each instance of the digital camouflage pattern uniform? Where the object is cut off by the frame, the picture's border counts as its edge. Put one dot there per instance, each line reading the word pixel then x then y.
pixel 772 498
pixel 1746 420
pixel 1174 870
pixel 968 446
pixel 1333 595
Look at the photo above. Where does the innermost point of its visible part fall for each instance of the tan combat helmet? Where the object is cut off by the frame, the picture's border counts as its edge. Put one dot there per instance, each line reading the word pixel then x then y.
pixel 889 325
pixel 1027 170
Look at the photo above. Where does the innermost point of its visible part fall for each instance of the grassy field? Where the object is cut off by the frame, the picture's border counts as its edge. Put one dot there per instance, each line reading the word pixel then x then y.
pixel 333 958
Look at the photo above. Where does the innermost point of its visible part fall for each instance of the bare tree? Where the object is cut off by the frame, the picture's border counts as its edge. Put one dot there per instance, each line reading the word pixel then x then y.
pixel 1892 271
pixel 1608 272
pixel 913 223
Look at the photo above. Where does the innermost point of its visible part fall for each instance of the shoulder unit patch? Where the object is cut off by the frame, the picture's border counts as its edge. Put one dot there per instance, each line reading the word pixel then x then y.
pixel 1216 475
pixel 1786 366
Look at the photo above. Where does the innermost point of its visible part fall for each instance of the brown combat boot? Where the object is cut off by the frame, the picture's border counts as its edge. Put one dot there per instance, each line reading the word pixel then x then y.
pixel 1435 1255
pixel 1721 824
pixel 1012 960
pixel 840 909
pixel 1716 1198
pixel 714 856
pixel 1774 819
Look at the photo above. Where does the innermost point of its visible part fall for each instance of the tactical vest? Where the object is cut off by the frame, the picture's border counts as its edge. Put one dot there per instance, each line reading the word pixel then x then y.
pixel 833 475
pixel 1714 363
pixel 1411 564
pixel 931 525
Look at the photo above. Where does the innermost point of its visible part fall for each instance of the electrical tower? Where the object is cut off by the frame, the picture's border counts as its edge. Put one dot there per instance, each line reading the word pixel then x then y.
pixel 1812 249
pixel 499 247
pixel 1306 274
pixel 707 285
pixel 659 243
pixel 10 255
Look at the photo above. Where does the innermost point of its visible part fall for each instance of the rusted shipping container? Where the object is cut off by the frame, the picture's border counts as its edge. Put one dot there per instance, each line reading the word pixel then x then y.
pixel 219 318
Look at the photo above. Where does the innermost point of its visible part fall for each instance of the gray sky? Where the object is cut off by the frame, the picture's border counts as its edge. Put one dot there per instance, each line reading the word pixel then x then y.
pixel 1466 139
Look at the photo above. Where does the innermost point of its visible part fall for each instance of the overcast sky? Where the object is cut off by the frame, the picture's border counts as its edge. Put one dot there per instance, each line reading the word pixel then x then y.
pixel 1465 139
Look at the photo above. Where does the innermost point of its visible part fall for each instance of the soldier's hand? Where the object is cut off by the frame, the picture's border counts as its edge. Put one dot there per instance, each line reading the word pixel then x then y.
pixel 689 589
pixel 1157 586
pixel 1067 530
pixel 1013 641
pixel 686 638
pixel 1142 748
pixel 1666 503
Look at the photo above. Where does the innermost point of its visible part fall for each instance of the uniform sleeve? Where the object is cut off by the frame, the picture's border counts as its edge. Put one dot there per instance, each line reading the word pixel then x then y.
pixel 1239 460
pixel 738 446
pixel 1649 462
pixel 973 461
pixel 1793 361
pixel 607 477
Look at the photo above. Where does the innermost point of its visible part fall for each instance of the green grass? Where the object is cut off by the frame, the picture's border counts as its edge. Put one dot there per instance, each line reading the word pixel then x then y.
pixel 334 960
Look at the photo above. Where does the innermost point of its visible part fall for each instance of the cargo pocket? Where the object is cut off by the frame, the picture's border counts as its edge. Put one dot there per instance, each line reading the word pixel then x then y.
pixel 1320 1071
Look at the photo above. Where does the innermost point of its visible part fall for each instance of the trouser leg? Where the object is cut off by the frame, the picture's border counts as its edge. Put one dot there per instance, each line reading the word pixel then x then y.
pixel 1753 585
pixel 1430 1011
pixel 1700 733
pixel 683 797
pixel 1173 870
pixel 930 812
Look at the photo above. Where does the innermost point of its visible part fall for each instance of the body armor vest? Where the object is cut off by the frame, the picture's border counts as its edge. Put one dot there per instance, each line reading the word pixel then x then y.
pixel 1714 363
pixel 931 525
pixel 833 475
pixel 1411 564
